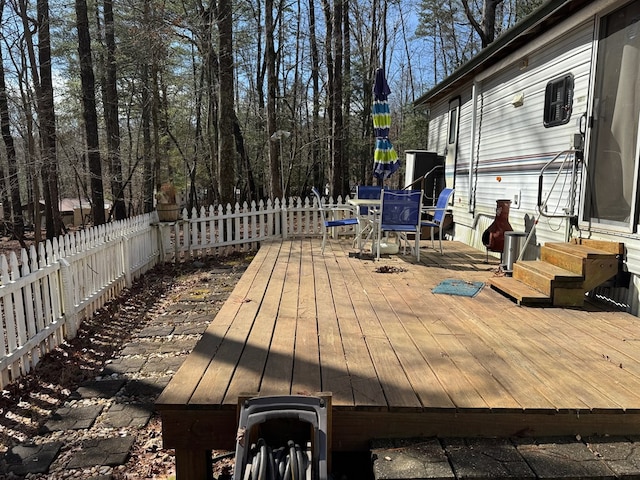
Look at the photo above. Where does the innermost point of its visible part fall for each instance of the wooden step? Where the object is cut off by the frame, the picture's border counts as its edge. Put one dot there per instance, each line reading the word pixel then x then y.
pixel 545 277
pixel 518 291
pixel 595 265
pixel 568 297
pixel 615 248
pixel 564 273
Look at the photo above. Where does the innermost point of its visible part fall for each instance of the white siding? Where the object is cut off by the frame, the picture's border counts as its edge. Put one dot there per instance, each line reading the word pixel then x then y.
pixel 512 142
pixel 437 140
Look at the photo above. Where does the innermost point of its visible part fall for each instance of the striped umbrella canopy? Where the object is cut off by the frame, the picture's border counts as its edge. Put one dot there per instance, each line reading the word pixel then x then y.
pixel 385 158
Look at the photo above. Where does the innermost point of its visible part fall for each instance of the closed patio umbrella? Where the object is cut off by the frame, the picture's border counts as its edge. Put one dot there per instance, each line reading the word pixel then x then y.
pixel 385 158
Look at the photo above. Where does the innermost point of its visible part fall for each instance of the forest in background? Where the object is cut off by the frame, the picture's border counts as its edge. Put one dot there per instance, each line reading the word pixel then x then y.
pixel 130 101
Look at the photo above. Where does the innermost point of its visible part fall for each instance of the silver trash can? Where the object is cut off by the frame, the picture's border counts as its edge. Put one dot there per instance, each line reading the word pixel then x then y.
pixel 513 245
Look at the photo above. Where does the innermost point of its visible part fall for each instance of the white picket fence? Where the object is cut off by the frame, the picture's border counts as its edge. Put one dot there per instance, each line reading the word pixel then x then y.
pixel 45 293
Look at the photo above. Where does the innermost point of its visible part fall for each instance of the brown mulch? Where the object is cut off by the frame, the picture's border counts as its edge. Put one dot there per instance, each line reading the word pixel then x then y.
pixel 390 269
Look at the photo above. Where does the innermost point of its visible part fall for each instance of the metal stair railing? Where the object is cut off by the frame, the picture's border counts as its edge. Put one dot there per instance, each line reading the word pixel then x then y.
pixel 575 156
pixel 422 181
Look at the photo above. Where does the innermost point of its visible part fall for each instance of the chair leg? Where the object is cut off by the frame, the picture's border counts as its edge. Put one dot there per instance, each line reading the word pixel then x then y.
pixel 418 244
pixel 401 240
pixel 324 239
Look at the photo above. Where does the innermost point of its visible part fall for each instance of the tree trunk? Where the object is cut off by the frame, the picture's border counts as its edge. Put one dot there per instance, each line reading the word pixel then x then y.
pixel 275 178
pixel 90 114
pixel 226 111
pixel 46 115
pixel 340 175
pixel 347 89
pixel 112 124
pixel 157 162
pixel 148 178
pixel 486 27
pixel 199 146
pixel 317 165
pixel 43 86
pixel 240 148
pixel 489 21
pixel 331 103
pixel 5 126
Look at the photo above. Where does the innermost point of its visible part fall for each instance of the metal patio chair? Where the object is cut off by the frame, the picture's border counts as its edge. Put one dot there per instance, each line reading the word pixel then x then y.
pixel 400 213
pixel 328 222
pixel 438 211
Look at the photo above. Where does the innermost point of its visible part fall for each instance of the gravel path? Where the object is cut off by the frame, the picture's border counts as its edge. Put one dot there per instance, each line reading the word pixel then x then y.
pixel 86 411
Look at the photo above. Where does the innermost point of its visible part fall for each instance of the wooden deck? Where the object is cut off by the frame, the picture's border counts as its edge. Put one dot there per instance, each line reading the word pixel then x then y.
pixel 399 360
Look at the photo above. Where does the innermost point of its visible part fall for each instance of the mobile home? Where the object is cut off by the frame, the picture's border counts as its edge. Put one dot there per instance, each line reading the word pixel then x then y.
pixel 547 117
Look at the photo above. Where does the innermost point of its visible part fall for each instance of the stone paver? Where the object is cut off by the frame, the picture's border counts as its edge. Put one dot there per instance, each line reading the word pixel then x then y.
pixel 486 458
pixel 145 387
pixel 176 308
pixel 155 331
pixel 205 318
pixel 621 455
pixel 559 458
pixel 398 459
pixel 72 418
pixel 123 366
pixel 172 318
pixel 26 459
pixel 190 328
pixel 98 389
pixel 178 345
pixel 160 346
pixel 102 451
pixel 163 364
pixel 122 415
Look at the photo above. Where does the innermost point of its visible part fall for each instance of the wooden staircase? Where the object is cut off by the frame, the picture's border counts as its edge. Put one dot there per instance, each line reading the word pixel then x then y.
pixel 564 273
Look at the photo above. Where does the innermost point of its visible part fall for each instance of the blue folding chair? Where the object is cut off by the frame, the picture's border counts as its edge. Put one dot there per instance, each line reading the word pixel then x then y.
pixel 367 192
pixel 328 223
pixel 400 213
pixel 438 212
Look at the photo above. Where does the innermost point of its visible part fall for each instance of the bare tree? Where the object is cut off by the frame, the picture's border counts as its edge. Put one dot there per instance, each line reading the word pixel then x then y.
pixel 90 114
pixel 110 105
pixel 47 117
pixel 14 184
pixel 275 176
pixel 226 112
pixel 317 166
pixel 334 56
pixel 486 27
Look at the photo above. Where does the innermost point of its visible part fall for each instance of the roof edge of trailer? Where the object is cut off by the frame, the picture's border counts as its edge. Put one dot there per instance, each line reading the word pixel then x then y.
pixel 547 15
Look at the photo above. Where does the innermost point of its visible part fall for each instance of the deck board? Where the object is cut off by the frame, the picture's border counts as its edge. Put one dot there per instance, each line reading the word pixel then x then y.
pixel 371 310
pixel 256 334
pixel 338 376
pixel 442 347
pixel 400 360
pixel 190 373
pixel 216 379
pixel 586 355
pixel 307 376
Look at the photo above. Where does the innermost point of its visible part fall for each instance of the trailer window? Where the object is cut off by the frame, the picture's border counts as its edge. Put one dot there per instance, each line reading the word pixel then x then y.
pixel 558 101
